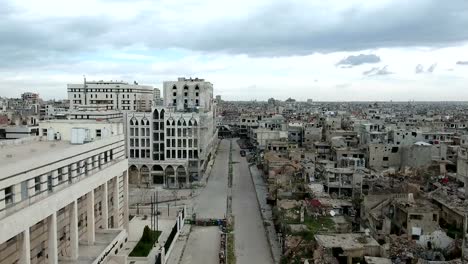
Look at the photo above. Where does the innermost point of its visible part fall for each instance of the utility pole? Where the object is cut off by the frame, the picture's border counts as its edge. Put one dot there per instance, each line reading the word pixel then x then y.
pixel 157 211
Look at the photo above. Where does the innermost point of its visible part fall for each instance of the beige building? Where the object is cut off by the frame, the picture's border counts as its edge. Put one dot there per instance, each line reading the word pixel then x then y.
pixel 63 202
pixel 112 95
pixel 172 145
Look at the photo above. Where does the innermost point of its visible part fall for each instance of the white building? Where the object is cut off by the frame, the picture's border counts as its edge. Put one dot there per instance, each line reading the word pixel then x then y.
pixel 157 97
pixel 172 145
pixel 112 95
pixel 185 94
pixel 63 202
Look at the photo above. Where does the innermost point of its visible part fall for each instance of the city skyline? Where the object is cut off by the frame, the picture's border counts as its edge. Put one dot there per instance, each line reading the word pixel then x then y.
pixel 337 51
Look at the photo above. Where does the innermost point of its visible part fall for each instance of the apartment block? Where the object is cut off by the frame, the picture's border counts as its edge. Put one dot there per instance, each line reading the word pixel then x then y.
pixel 111 95
pixel 63 200
pixel 172 144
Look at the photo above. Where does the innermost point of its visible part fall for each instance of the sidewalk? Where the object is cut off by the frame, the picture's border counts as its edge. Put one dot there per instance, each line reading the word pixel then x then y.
pixel 261 191
pixel 179 246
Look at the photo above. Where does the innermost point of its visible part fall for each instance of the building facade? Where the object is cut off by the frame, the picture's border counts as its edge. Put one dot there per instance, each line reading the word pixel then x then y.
pixel 61 202
pixel 111 95
pixel 172 144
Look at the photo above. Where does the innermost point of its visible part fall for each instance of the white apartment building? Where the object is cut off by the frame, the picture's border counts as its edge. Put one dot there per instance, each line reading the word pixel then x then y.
pixel 111 95
pixel 157 97
pixel 172 145
pixel 63 202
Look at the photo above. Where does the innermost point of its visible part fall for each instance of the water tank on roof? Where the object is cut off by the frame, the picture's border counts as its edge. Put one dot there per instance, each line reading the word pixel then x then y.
pixel 50 134
pixel 78 135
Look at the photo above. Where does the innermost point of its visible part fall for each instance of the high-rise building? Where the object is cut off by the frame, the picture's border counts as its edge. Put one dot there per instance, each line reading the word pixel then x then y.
pixel 172 144
pixel 111 95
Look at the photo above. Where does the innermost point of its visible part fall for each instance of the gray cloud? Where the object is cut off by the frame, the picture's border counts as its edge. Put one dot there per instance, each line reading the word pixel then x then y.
pixel 377 71
pixel 462 62
pixel 264 32
pixel 354 60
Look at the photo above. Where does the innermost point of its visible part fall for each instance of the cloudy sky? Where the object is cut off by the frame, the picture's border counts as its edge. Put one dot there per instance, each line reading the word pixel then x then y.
pixel 323 50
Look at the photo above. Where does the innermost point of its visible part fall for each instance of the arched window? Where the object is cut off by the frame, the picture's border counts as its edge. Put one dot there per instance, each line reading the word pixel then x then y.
pixel 185 87
pixel 156 114
pixel 196 87
pixel 179 123
pixel 131 122
pixel 161 115
pixel 174 87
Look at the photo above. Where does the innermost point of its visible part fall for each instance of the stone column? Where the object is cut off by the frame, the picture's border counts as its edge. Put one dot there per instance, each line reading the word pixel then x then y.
pixel 43 184
pixel 52 238
pixel 17 193
pixel 31 188
pixel 105 207
pixel 74 235
pixel 125 201
pixel 25 249
pixel 115 198
pixel 74 172
pixel 96 163
pixel 54 179
pixel 90 165
pixel 101 159
pixel 65 174
pixel 90 217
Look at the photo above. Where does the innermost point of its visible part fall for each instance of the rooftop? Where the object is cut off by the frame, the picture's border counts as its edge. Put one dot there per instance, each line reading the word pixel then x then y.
pixel 18 156
pixel 28 150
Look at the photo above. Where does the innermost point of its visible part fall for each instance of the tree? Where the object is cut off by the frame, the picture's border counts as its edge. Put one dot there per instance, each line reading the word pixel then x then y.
pixel 146 235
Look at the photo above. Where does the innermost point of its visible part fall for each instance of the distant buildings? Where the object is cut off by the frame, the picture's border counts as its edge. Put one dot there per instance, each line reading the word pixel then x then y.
pixel 111 95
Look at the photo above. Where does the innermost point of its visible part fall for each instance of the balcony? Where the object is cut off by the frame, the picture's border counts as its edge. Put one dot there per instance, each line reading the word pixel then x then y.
pixel 14 207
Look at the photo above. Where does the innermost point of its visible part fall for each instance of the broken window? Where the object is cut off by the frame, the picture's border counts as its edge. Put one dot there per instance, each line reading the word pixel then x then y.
pixel 416 217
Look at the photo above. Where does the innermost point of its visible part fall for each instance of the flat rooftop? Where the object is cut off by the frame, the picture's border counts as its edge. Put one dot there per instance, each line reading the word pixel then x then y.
pixel 89 253
pixel 19 156
pixel 29 150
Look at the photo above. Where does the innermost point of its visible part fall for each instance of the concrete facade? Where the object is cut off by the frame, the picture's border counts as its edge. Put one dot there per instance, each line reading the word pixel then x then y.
pixel 172 145
pixel 112 95
pixel 63 203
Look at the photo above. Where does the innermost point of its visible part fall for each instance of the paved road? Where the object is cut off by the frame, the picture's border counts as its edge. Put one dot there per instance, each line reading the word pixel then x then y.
pixel 203 242
pixel 211 203
pixel 251 242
